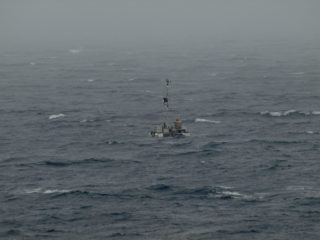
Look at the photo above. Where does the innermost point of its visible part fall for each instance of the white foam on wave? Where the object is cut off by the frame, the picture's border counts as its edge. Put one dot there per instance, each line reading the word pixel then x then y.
pixel 225 187
pixel 285 113
pixel 298 188
pixel 226 191
pixel 275 114
pixel 264 112
pixel 56 116
pixel 32 63
pixel 310 132
pixel 289 112
pixel 35 190
pixel 91 80
pixel 46 191
pixel 202 120
pixel 230 193
pixel 50 191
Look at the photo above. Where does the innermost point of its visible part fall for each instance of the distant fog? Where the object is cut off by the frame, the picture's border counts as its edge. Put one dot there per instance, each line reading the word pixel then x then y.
pixel 112 22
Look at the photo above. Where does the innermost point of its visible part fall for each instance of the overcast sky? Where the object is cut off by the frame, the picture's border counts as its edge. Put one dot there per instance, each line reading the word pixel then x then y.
pixel 112 21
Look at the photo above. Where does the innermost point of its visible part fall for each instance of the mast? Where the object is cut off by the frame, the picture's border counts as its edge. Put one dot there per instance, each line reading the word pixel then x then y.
pixel 166 100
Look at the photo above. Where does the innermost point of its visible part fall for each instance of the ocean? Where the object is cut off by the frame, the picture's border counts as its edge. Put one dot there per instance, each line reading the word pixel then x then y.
pixel 77 161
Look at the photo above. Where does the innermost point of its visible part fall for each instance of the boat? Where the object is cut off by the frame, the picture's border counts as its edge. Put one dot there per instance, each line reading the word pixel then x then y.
pixel 165 130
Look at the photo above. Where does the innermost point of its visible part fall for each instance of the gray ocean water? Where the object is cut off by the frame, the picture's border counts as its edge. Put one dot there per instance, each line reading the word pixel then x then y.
pixel 77 162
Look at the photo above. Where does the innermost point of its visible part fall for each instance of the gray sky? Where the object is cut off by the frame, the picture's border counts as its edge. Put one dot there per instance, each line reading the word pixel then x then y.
pixel 139 21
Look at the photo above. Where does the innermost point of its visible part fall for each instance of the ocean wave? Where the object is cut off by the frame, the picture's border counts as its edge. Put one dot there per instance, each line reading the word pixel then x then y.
pixel 178 144
pixel 35 190
pixel 113 142
pixel 84 161
pixel 90 194
pixel 274 141
pixel 315 112
pixel 298 188
pixel 297 73
pixel 200 153
pixel 202 120
pixel 232 194
pixel 46 191
pixel 54 116
pixel 225 187
pixel 75 50
pixel 56 193
pixel 159 187
pixel 310 132
pixel 51 191
pixel 288 113
pixel 219 192
pixel 214 144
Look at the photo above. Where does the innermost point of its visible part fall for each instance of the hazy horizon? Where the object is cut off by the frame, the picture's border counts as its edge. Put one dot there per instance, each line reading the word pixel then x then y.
pixel 139 22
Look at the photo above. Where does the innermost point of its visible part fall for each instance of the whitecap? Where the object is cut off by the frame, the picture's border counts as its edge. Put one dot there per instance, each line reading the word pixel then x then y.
pixel 264 112
pixel 315 112
pixel 289 112
pixel 279 114
pixel 91 80
pixel 56 116
pixel 47 191
pixel 305 113
pixel 206 120
pixel 225 187
pixel 35 190
pixel 83 120
pixel 50 191
pixel 310 132
pixel 298 188
pixel 32 63
pixel 275 114
pixel 229 193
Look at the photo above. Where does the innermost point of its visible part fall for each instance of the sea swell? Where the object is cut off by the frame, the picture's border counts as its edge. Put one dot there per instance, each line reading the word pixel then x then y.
pixel 71 163
pixel 289 113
